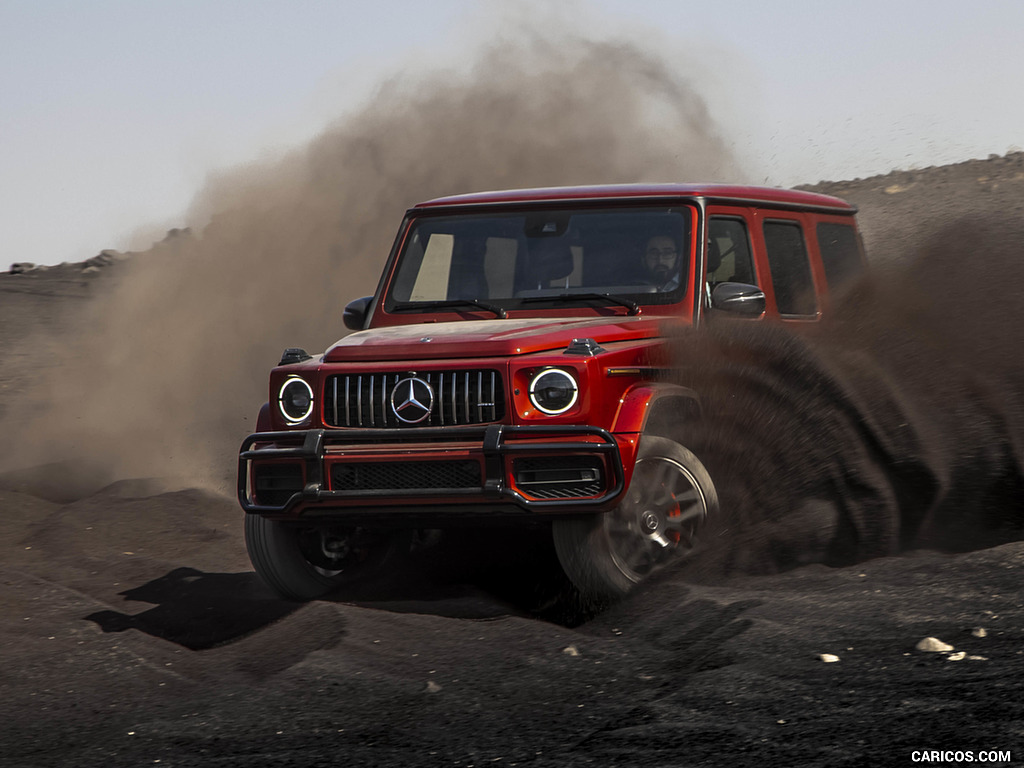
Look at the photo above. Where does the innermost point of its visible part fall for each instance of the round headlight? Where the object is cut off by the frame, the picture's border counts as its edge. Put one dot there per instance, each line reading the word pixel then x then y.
pixel 296 400
pixel 553 391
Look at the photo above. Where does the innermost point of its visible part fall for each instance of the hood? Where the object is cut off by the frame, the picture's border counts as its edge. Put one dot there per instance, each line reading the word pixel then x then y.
pixel 487 338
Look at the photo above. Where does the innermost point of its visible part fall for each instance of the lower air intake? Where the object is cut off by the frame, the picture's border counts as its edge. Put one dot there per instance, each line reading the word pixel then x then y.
pixel 275 483
pixel 382 476
pixel 560 477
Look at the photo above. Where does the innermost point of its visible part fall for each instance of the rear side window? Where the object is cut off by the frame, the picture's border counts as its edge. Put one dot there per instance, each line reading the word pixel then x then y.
pixel 840 253
pixel 790 268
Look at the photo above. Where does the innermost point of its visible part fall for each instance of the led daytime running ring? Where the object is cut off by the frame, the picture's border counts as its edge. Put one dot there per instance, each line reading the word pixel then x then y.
pixel 281 400
pixel 572 385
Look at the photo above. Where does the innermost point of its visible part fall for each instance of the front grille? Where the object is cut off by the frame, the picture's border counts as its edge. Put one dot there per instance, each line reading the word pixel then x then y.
pixel 460 398
pixel 399 475
pixel 559 477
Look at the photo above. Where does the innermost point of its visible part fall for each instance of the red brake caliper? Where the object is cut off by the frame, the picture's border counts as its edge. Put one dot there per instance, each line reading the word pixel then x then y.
pixel 674 535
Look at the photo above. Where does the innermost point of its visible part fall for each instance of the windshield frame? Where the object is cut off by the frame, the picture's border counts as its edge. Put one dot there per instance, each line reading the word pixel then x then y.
pixel 398 309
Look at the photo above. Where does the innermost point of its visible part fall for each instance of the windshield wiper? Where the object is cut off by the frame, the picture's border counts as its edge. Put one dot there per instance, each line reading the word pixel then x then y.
pixel 632 306
pixel 409 305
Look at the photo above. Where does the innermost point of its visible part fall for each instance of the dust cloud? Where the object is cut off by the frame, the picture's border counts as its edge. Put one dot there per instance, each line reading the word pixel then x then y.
pixel 897 424
pixel 164 374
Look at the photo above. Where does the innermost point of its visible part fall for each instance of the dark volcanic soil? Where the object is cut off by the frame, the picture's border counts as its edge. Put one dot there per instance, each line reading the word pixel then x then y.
pixel 133 631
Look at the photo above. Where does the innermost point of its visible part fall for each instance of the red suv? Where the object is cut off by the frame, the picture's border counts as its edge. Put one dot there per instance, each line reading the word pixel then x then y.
pixel 514 366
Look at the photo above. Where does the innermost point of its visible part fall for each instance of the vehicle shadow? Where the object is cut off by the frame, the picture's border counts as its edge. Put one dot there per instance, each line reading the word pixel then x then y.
pixel 459 580
pixel 199 610
pixel 478 574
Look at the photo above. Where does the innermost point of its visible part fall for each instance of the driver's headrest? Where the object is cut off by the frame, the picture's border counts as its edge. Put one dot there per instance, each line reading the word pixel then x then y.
pixel 552 259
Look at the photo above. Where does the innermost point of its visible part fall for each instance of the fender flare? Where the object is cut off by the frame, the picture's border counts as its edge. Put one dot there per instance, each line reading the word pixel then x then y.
pixel 660 408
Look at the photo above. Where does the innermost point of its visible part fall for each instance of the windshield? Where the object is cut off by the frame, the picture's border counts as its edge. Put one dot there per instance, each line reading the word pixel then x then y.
pixel 641 255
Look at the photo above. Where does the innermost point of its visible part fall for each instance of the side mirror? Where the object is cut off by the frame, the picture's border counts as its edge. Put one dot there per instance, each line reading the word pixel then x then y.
pixel 354 316
pixel 738 299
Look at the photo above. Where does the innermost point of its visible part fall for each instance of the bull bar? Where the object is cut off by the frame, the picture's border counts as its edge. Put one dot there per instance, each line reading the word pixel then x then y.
pixel 494 447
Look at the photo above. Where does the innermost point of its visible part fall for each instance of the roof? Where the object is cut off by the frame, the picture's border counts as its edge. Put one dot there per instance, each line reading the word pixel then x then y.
pixel 731 192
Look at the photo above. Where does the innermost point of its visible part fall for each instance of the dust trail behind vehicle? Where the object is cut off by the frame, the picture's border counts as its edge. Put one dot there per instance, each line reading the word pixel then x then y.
pixel 164 374
pixel 898 423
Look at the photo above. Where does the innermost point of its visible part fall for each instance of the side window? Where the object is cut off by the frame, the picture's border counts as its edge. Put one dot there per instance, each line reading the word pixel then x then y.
pixel 729 257
pixel 840 253
pixel 790 268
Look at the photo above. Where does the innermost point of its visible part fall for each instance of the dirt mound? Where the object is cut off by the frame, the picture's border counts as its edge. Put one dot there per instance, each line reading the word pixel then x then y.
pixel 176 653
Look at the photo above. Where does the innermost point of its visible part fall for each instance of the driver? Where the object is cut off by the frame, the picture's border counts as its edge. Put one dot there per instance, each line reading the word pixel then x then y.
pixel 661 260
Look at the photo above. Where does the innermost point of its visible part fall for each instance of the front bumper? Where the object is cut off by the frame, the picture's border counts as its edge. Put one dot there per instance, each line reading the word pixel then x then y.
pixel 505 466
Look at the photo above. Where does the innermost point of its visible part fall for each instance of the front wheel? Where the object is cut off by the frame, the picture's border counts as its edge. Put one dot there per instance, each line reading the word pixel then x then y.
pixel 670 497
pixel 305 562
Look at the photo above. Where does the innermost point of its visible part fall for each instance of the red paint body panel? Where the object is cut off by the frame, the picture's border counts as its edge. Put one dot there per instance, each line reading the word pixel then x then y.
pixel 487 338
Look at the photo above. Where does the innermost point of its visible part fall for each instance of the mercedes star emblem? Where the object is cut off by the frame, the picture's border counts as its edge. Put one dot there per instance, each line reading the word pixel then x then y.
pixel 412 400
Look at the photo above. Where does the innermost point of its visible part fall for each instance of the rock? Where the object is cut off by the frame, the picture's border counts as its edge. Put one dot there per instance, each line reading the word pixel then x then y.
pixel 112 255
pixel 828 658
pixel 572 650
pixel 432 687
pixel 933 645
pixel 22 267
pixel 958 656
pixel 979 632
pixel 102 259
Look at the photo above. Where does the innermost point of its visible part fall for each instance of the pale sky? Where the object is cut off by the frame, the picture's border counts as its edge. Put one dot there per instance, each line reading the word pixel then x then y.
pixel 114 112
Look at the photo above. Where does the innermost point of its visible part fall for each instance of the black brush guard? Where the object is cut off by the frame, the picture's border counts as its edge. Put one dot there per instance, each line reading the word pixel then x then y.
pixel 494 447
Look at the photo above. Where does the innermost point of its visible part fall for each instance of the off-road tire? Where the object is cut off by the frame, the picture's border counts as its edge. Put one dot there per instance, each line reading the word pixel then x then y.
pixel 276 550
pixel 670 498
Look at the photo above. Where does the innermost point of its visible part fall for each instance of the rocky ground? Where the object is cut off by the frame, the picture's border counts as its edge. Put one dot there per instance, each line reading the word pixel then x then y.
pixel 133 631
